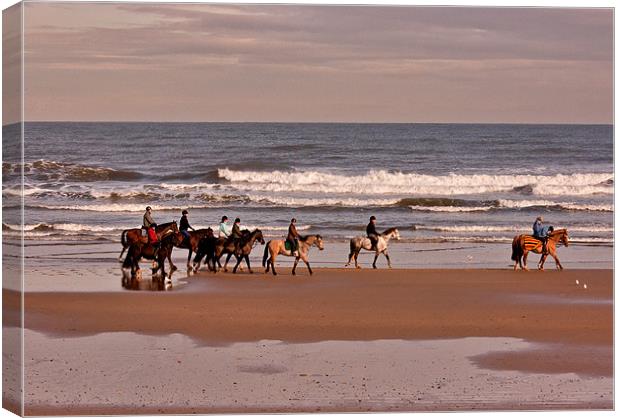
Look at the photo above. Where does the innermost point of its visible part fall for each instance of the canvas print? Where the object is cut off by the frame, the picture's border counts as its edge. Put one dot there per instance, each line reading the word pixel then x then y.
pixel 233 208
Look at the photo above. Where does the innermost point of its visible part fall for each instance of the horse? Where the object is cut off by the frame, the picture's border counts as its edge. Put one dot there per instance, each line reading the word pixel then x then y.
pixel 278 246
pixel 206 248
pixel 523 244
pixel 360 242
pixel 244 246
pixel 224 245
pixel 157 253
pixel 192 243
pixel 130 236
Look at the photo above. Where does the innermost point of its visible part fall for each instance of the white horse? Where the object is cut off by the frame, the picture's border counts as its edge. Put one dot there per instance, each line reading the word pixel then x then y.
pixel 357 243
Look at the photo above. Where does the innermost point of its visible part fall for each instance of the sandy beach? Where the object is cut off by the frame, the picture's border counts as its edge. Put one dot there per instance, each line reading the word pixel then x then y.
pixel 512 326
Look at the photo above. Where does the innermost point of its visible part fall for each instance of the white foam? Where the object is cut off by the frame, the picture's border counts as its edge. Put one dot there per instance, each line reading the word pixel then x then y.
pixel 452 208
pixel 495 228
pixel 384 182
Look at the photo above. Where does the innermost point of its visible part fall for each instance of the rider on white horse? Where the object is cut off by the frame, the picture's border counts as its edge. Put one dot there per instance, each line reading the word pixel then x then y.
pixel 371 232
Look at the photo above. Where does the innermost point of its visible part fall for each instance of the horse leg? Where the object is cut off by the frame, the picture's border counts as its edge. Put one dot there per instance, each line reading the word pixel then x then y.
pixel 189 259
pixel 524 267
pixel 541 262
pixel 172 266
pixel 374 263
pixel 307 264
pixel 226 263
pixel 236 265
pixel 247 261
pixel 357 266
pixel 387 258
pixel 350 259
pixel 295 265
pixel 162 266
pixel 557 261
pixel 120 257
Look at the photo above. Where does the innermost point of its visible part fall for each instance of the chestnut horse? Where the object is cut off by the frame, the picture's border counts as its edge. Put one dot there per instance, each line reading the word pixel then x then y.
pixel 523 244
pixel 156 252
pixel 130 236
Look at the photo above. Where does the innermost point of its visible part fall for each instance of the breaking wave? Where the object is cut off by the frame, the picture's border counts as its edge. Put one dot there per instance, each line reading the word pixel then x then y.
pixel 385 182
pixel 44 170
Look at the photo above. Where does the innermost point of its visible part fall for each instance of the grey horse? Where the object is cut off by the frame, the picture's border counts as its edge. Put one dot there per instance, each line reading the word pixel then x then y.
pixel 359 243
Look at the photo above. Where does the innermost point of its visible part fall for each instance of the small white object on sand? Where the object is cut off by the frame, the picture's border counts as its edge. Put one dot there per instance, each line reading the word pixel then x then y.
pixel 585 286
pixel 577 281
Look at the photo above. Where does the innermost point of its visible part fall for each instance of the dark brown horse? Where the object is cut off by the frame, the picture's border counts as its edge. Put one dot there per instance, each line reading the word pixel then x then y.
pixel 243 248
pixel 130 236
pixel 225 246
pixel 192 243
pixel 523 244
pixel 206 250
pixel 158 252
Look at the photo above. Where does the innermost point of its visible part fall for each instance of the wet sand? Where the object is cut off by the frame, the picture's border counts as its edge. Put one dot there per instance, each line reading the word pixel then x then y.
pixel 568 329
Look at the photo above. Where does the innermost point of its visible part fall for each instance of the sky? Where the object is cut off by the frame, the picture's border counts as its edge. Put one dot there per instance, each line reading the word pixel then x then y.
pixel 205 62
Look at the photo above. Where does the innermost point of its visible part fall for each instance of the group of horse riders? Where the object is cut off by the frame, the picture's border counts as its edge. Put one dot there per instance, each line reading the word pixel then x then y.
pixel 148 224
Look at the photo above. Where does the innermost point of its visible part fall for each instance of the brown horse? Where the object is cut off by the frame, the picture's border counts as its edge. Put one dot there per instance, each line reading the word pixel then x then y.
pixel 223 246
pixel 130 236
pixel 523 244
pixel 157 252
pixel 278 246
pixel 244 246
pixel 192 243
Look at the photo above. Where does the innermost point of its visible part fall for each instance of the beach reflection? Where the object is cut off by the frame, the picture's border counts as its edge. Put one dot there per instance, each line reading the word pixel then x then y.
pixel 150 284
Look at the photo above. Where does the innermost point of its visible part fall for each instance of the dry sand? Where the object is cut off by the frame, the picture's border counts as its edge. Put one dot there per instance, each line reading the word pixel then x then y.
pixel 546 330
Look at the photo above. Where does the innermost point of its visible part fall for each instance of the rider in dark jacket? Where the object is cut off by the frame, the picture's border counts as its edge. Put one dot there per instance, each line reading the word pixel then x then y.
pixel 292 237
pixel 371 231
pixel 184 225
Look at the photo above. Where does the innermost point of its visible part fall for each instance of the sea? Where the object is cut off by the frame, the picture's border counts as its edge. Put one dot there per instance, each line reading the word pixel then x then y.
pixel 437 183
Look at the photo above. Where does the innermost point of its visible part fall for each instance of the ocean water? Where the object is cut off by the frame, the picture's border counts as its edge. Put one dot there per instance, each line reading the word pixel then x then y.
pixel 435 182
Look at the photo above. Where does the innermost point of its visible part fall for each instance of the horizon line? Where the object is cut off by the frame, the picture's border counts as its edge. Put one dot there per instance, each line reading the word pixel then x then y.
pixel 314 122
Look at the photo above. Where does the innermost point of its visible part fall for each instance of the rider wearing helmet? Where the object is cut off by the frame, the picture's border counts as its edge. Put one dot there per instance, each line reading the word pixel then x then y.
pixel 223 231
pixel 149 224
pixel 184 225
pixel 371 232
pixel 541 232
pixel 293 237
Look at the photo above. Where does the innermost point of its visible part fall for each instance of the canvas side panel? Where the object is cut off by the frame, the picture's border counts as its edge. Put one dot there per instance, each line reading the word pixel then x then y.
pixel 12 222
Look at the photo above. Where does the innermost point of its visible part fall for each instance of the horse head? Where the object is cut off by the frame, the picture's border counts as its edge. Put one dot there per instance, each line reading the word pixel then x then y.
pixel 258 235
pixel 391 233
pixel 564 238
pixel 319 242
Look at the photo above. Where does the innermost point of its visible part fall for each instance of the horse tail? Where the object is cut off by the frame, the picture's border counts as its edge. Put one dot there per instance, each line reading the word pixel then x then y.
pixel 266 254
pixel 353 247
pixel 516 249
pixel 124 238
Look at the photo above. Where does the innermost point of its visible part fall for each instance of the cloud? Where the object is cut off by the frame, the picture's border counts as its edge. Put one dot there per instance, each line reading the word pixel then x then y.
pixel 230 43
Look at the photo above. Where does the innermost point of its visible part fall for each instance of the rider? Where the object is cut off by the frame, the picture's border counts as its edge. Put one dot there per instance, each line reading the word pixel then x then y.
pixel 293 237
pixel 541 232
pixel 149 224
pixel 184 225
pixel 371 231
pixel 223 231
pixel 235 234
